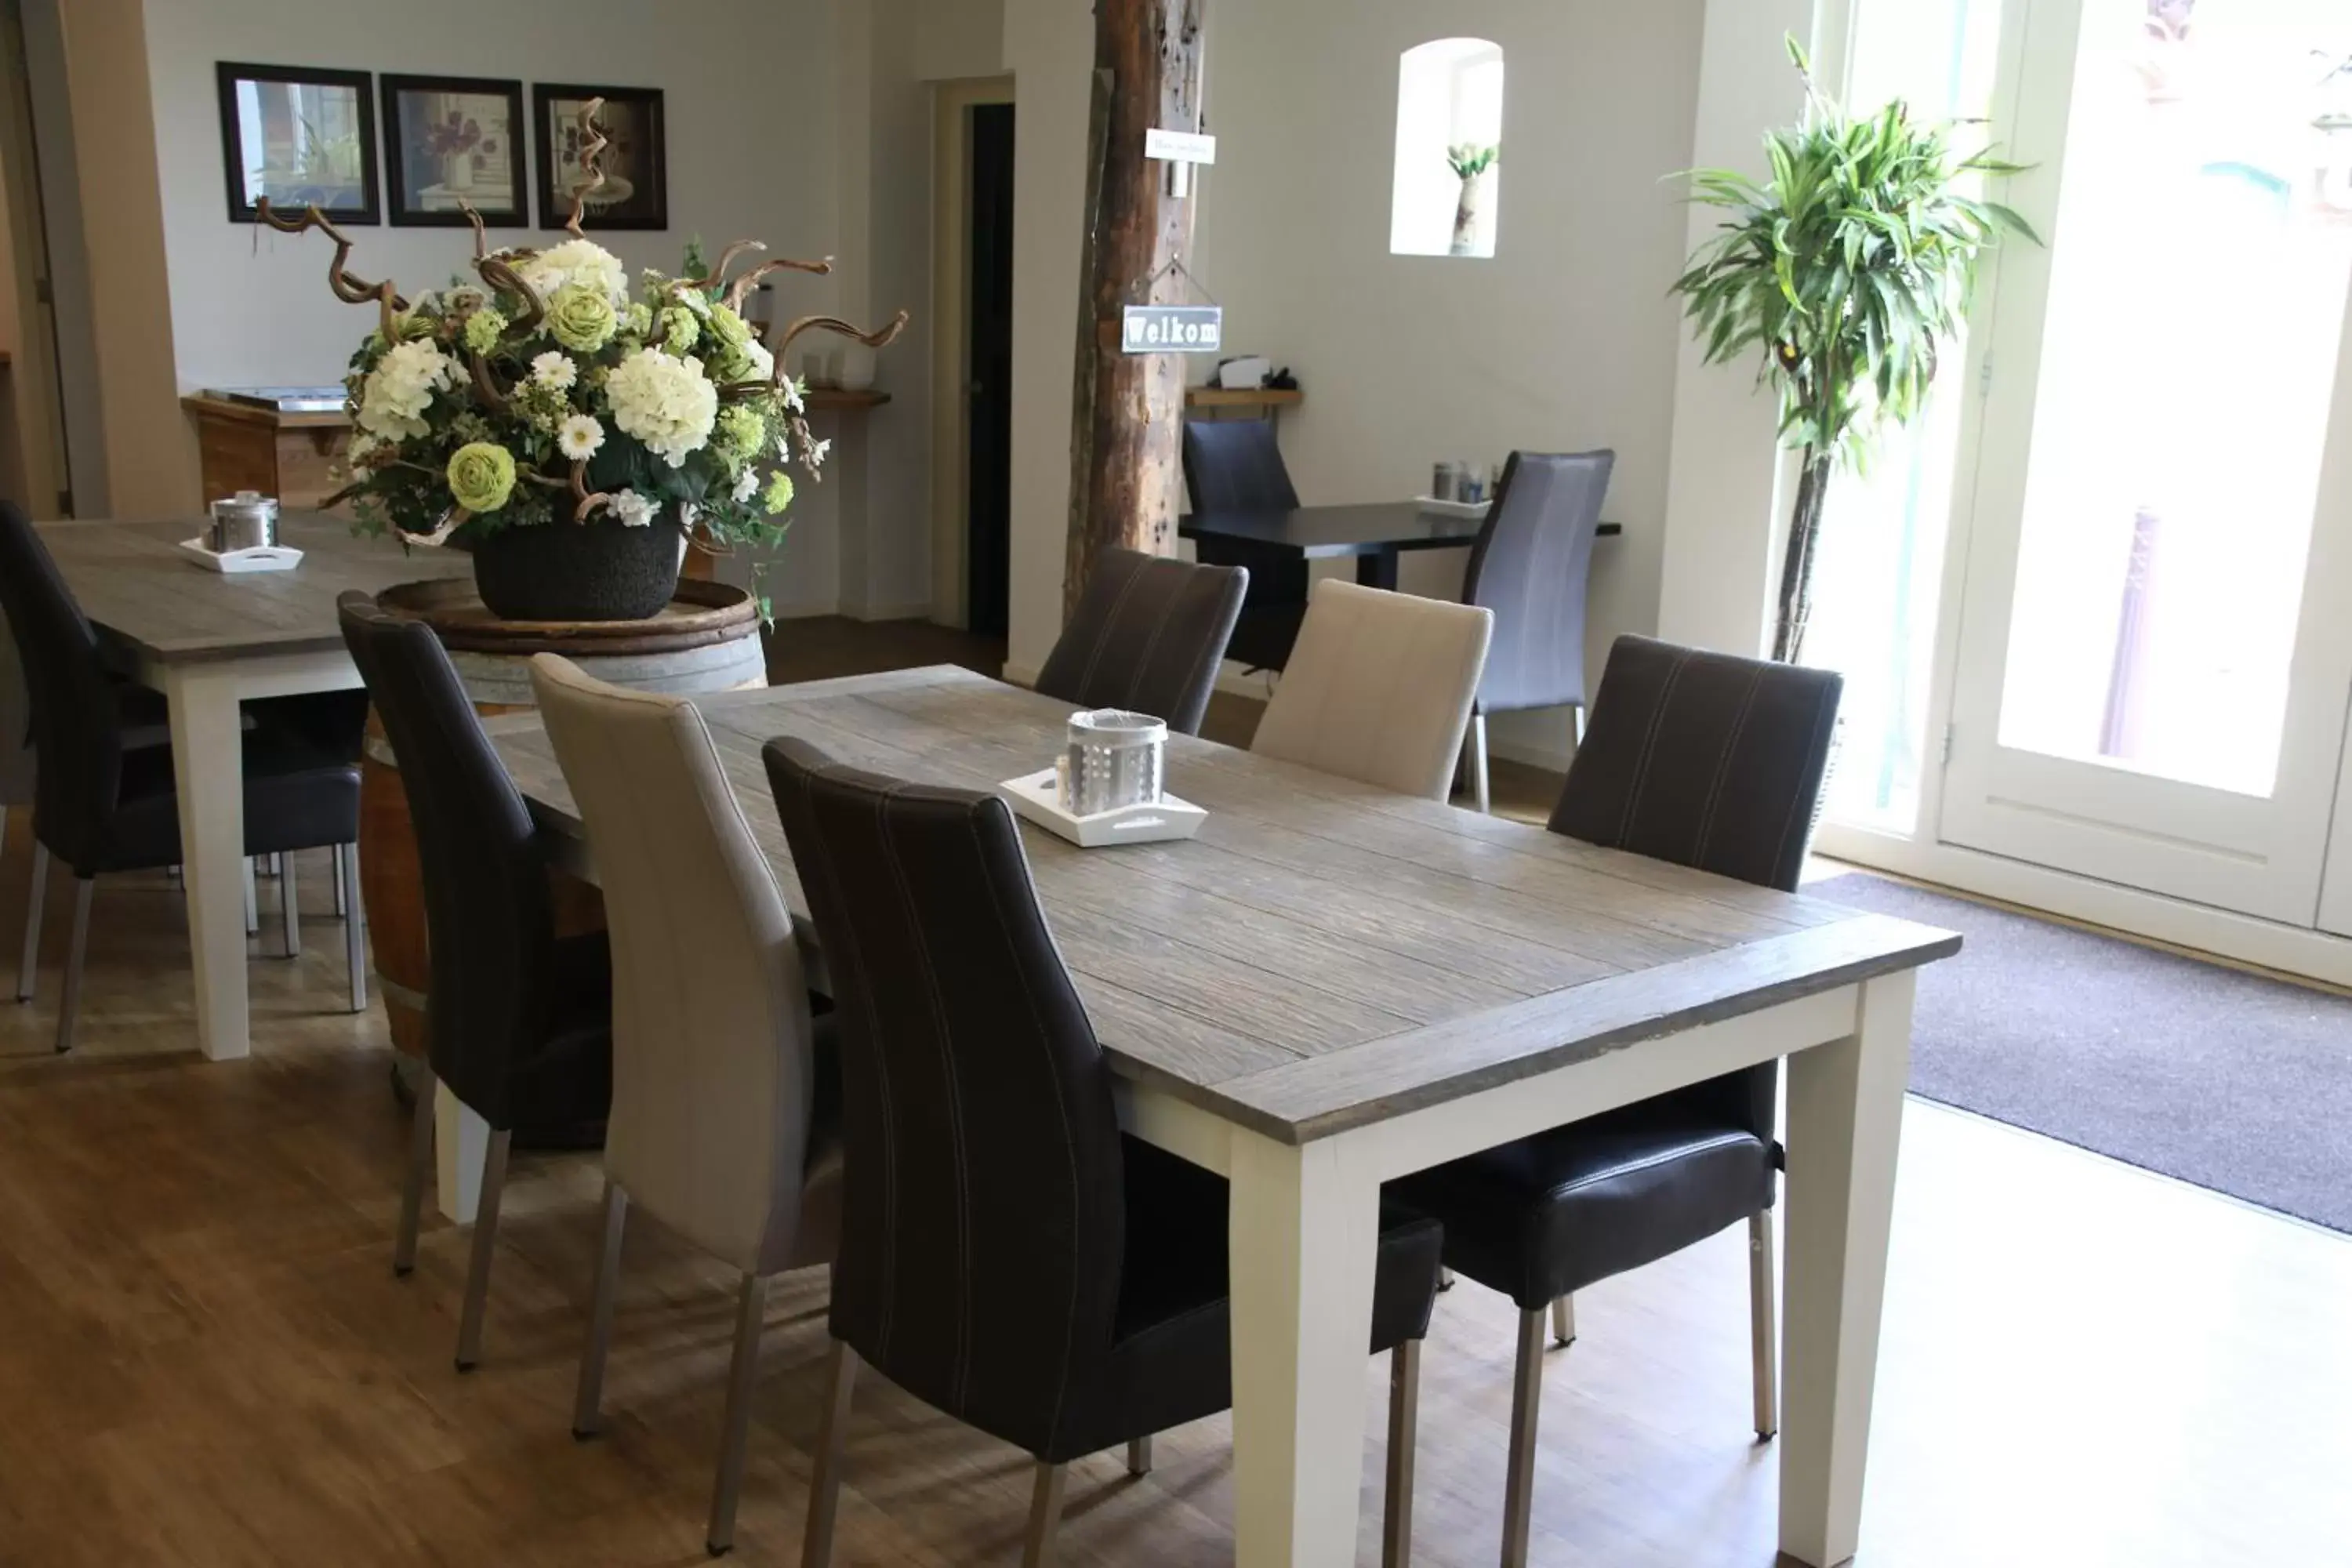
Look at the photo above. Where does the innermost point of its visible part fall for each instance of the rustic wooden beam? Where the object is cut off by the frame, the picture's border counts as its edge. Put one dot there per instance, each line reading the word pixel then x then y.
pixel 1127 411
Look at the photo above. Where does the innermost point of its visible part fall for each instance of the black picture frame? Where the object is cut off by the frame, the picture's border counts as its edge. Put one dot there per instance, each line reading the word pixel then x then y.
pixel 418 198
pixel 639 156
pixel 347 201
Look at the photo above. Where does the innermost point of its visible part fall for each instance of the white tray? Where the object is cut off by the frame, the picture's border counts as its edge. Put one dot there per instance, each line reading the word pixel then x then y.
pixel 268 558
pixel 1453 508
pixel 1038 798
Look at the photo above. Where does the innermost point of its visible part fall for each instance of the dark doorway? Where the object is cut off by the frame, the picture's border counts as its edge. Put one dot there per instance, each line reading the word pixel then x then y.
pixel 989 318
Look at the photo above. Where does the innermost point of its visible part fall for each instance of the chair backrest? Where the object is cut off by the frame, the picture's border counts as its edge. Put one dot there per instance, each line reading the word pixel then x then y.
pixel 1531 566
pixel 75 724
pixel 1709 761
pixel 982 1197
pixel 1234 465
pixel 713 1067
pixel 1379 688
pixel 487 911
pixel 1147 636
pixel 16 754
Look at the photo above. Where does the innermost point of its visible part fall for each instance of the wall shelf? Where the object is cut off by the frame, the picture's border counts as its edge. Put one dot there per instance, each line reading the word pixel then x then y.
pixel 1266 398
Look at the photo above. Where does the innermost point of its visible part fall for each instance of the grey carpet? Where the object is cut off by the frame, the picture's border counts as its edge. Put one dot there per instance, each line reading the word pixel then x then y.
pixel 2226 1080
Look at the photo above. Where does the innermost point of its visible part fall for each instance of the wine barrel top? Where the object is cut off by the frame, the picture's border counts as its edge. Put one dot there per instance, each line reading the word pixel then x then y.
pixel 700 613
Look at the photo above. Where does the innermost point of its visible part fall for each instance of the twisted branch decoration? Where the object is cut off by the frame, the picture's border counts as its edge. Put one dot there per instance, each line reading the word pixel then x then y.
pixel 726 259
pixel 350 290
pixel 741 289
pixel 592 158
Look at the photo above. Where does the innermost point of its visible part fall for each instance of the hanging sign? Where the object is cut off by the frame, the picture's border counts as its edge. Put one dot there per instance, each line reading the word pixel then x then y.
pixel 1174 330
pixel 1179 146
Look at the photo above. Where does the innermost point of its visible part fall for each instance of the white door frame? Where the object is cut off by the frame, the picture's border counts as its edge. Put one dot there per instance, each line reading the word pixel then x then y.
pixel 951 106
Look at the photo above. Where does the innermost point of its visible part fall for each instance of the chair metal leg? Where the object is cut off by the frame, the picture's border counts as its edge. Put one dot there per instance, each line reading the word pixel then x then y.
pixel 28 966
pixel 77 954
pixel 1581 710
pixel 485 1239
pixel 1139 1456
pixel 742 1373
pixel 347 904
pixel 1762 1313
pixel 252 899
pixel 1404 1428
pixel 1445 1279
pixel 833 1433
pixel 1045 1516
pixel 1564 1322
pixel 289 917
pixel 412 1189
pixel 1478 782
pixel 587 1413
pixel 1520 1476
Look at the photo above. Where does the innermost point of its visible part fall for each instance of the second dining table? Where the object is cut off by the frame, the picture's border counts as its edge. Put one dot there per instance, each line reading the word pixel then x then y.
pixel 1332 987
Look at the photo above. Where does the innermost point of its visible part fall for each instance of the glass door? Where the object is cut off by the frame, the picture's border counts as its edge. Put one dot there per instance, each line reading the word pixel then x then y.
pixel 2156 648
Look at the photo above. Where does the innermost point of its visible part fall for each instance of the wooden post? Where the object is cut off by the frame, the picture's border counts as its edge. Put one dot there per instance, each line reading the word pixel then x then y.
pixel 1127 410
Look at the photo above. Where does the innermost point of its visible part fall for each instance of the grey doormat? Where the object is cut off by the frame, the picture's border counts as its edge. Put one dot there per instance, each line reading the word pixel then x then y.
pixel 2226 1080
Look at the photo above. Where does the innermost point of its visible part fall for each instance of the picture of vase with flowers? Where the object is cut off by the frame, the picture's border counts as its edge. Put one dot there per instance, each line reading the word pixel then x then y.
pixel 1470 164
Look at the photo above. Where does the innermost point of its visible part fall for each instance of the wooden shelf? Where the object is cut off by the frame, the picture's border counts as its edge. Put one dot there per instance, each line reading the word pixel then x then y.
pixel 1242 397
pixel 834 399
pixel 235 413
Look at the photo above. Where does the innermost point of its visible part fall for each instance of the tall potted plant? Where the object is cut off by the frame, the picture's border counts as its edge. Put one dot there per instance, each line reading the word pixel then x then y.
pixel 1852 266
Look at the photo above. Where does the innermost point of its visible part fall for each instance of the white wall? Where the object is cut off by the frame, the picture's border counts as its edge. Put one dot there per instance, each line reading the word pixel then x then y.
pixel 755 150
pixel 1565 340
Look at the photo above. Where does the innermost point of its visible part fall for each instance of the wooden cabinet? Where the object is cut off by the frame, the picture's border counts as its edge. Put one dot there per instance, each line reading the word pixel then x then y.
pixel 289 456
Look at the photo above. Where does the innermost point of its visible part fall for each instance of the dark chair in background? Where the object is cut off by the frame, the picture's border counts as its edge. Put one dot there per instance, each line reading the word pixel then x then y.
pixel 1147 636
pixel 1706 761
pixel 1234 465
pixel 1008 1255
pixel 720 1127
pixel 517 1019
pixel 1532 566
pixel 102 805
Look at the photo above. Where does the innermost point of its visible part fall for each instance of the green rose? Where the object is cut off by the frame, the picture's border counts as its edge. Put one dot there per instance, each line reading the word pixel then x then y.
pixel 581 319
pixel 483 329
pixel 741 432
pixel 780 493
pixel 679 329
pixel 482 476
pixel 730 328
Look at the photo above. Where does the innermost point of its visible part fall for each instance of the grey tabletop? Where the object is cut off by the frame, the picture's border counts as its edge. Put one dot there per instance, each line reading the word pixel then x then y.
pixel 1324 953
pixel 1324 532
pixel 134 583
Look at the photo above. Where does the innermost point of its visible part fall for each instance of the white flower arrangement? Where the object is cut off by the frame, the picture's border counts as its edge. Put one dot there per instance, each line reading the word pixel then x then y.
pixel 667 402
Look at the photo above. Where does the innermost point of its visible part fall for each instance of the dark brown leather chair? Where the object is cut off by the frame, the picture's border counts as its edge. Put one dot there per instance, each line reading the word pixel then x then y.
pixel 520 1023
pixel 1007 1255
pixel 1532 565
pixel 1706 761
pixel 102 805
pixel 1147 636
pixel 1235 465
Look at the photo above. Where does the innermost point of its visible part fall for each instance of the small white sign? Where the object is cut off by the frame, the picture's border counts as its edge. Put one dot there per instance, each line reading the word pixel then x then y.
pixel 1172 330
pixel 1179 146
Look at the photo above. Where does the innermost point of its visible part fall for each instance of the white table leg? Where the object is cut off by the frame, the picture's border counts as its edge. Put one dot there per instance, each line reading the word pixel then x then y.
pixel 1845 1116
pixel 460 1140
pixel 1305 1225
pixel 208 766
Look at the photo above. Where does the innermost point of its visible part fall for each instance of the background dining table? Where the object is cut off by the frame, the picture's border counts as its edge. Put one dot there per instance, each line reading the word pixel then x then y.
pixel 209 642
pixel 1375 535
pixel 1332 987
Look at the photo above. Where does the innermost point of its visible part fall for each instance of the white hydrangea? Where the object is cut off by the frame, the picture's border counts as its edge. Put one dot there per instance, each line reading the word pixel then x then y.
pixel 665 401
pixel 633 509
pixel 581 262
pixel 554 370
pixel 747 485
pixel 400 388
pixel 764 364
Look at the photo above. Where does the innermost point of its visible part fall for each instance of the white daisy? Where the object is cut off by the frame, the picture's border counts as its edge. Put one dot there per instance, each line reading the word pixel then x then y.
pixel 554 370
pixel 747 484
pixel 633 509
pixel 579 437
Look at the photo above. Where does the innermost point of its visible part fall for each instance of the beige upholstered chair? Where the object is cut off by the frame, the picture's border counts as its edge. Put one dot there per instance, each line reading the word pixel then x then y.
pixel 1379 688
pixel 714 1057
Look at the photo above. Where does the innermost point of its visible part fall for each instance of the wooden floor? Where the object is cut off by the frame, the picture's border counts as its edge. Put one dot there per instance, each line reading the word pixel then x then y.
pixel 205 1359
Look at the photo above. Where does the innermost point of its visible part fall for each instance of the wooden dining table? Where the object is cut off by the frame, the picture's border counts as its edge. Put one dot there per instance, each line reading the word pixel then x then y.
pixel 1332 987
pixel 209 642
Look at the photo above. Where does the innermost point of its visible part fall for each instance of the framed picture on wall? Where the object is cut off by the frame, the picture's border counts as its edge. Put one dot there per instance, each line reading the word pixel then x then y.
pixel 299 136
pixel 452 142
pixel 636 192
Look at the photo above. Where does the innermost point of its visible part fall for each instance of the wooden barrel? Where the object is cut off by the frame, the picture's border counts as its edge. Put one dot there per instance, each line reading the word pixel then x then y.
pixel 707 640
